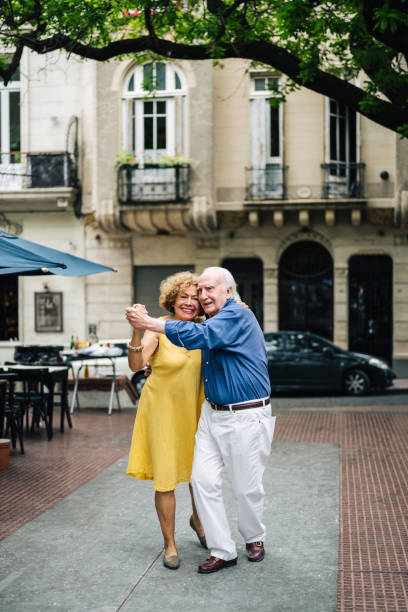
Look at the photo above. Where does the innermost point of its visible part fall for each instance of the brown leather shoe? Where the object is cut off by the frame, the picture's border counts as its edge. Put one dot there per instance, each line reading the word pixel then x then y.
pixel 214 564
pixel 256 551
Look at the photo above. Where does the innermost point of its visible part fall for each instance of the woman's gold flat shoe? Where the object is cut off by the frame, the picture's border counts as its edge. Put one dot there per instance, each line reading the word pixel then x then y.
pixel 171 562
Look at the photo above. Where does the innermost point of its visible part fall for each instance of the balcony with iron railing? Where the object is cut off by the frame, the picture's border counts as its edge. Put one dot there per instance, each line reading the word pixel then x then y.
pixel 37 170
pixel 39 181
pixel 153 184
pixel 266 183
pixel 343 180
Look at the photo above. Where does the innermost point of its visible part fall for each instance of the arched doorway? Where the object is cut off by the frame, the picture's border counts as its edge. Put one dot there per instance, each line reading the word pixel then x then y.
pixel 370 305
pixel 248 273
pixel 306 289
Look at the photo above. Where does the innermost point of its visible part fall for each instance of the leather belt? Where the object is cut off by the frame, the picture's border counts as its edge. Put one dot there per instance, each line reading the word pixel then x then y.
pixel 243 406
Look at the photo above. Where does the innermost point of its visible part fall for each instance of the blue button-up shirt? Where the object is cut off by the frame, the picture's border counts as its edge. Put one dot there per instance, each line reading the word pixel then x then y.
pixel 234 359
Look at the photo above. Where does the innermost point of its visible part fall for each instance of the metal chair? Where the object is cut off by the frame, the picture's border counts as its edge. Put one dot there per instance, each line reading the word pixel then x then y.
pixel 11 412
pixel 34 396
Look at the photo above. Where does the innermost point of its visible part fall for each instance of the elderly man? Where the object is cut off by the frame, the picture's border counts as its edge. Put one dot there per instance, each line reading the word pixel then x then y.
pixel 236 426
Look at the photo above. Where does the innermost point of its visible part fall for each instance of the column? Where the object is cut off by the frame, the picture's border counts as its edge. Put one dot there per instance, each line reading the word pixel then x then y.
pixel 271 298
pixel 340 306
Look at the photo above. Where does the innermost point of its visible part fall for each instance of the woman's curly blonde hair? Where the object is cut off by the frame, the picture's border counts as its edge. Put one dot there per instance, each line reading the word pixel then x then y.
pixel 171 286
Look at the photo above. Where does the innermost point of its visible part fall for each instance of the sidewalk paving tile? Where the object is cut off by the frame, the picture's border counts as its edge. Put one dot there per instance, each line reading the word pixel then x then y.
pixel 101 547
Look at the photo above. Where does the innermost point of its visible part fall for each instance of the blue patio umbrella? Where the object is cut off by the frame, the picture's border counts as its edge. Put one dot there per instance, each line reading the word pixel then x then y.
pixel 25 258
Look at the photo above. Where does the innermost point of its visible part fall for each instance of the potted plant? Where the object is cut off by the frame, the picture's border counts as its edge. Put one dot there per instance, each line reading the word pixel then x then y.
pixel 126 158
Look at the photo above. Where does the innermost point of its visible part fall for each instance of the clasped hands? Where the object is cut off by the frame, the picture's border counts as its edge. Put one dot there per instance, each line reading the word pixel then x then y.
pixel 137 315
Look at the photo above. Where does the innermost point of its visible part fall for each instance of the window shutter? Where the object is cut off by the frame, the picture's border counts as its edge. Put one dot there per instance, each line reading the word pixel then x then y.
pixel 258 132
pixel 127 125
pixel 179 124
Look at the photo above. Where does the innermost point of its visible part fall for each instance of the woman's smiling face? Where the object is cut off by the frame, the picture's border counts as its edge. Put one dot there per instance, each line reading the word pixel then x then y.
pixel 186 306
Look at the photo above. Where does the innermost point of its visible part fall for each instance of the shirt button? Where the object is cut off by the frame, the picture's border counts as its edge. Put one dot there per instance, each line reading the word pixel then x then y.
pixel 206 363
pixel 206 380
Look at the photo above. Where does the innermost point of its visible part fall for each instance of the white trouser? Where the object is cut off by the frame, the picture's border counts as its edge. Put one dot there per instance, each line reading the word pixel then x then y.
pixel 240 441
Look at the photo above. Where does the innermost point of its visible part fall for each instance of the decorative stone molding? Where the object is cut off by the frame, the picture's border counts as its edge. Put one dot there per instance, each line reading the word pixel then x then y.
pixel 38 199
pixel 278 219
pixel 330 217
pixel 202 215
pixel 302 235
pixel 355 217
pixel 304 218
pixel 199 215
pixel 108 218
pixel 253 218
pixel 8 226
pixel 271 273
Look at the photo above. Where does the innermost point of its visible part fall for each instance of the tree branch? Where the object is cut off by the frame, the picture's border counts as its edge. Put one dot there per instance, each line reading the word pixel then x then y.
pixel 385 113
pixel 148 22
pixel 398 39
pixel 365 50
pixel 7 73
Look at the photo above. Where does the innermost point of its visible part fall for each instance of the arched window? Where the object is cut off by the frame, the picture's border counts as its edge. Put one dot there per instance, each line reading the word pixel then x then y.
pixel 154 99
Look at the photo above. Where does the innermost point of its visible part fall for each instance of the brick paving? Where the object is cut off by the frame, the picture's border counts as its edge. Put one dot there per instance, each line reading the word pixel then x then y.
pixel 49 471
pixel 373 532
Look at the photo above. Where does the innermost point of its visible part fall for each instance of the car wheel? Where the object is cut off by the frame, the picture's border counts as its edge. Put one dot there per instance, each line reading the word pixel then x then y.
pixel 356 382
pixel 138 382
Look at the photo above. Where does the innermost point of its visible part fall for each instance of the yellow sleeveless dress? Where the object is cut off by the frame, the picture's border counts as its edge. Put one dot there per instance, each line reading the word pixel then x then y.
pixel 163 438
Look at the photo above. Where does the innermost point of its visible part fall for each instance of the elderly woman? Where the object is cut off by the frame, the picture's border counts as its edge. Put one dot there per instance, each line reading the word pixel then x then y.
pixel 169 409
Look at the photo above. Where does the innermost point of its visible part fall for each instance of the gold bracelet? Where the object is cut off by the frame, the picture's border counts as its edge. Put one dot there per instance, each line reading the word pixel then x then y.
pixel 135 349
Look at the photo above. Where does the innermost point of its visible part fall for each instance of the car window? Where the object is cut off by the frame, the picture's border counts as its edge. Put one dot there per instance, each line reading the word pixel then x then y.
pixel 317 345
pixel 296 342
pixel 274 342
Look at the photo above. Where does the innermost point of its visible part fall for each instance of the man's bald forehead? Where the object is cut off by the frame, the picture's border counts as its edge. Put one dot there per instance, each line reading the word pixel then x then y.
pixel 215 276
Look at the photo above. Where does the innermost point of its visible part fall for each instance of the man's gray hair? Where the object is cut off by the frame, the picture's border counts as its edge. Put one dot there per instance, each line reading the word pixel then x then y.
pixel 228 279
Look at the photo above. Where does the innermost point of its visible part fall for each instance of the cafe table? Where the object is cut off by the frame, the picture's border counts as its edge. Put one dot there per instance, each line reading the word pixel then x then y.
pixel 92 360
pixel 49 376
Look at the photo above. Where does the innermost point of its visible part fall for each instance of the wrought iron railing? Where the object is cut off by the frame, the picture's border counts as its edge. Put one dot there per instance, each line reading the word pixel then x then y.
pixel 266 183
pixel 153 183
pixel 32 170
pixel 343 180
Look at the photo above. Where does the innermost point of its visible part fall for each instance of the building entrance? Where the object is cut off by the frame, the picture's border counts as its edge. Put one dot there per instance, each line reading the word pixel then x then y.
pixel 370 305
pixel 306 289
pixel 248 274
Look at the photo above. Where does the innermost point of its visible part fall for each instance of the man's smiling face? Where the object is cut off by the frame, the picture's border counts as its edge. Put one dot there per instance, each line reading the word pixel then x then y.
pixel 212 292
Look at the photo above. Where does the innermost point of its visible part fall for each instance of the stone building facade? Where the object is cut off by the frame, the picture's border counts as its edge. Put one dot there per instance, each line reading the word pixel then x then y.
pixel 305 203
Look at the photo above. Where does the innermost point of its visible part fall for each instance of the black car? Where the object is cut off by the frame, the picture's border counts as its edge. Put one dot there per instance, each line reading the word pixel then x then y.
pixel 302 360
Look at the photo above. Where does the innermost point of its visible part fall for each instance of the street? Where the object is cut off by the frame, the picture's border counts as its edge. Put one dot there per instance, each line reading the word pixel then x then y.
pixel 395 396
